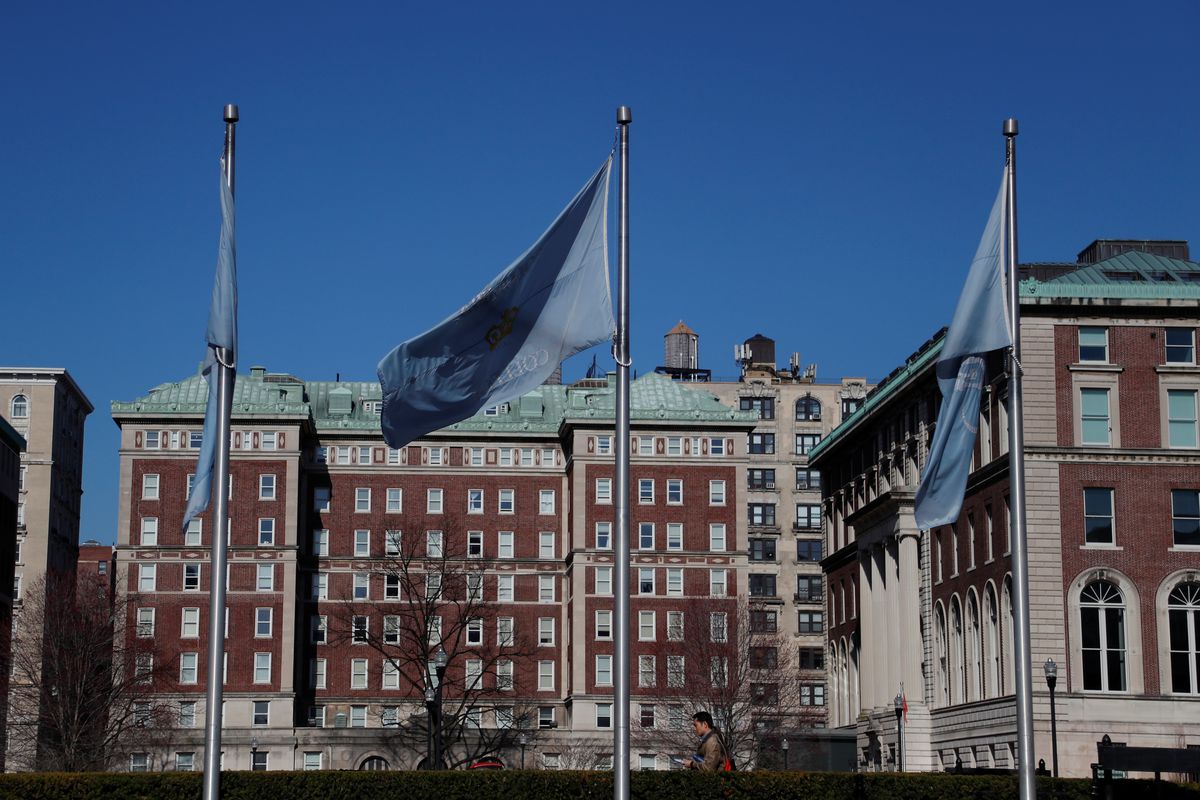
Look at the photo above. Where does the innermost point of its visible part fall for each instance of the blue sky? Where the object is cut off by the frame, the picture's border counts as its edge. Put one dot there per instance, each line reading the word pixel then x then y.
pixel 819 173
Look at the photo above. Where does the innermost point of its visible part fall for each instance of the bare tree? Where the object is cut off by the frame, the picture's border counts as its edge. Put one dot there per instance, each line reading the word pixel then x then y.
pixel 81 687
pixel 734 662
pixel 436 589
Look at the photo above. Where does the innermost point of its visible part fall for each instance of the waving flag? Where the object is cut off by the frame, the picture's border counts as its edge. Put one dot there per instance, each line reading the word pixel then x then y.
pixel 551 303
pixel 979 326
pixel 221 335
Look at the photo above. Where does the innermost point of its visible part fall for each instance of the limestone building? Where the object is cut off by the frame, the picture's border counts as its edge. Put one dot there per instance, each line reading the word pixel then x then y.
pixel 1113 473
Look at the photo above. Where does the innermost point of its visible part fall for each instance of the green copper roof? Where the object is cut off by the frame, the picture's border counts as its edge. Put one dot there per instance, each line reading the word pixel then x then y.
pixel 1130 275
pixel 354 405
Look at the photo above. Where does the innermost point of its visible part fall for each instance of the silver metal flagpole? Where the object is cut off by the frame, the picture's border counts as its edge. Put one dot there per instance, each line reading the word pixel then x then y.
pixel 1016 477
pixel 621 686
pixel 226 375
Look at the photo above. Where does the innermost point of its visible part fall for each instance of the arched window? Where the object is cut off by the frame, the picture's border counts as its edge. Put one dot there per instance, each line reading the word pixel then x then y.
pixel 375 763
pixel 835 681
pixel 1183 620
pixel 958 676
pixel 1102 634
pixel 1006 637
pixel 20 406
pixel 974 648
pixel 853 677
pixel 991 642
pixel 943 666
pixel 808 408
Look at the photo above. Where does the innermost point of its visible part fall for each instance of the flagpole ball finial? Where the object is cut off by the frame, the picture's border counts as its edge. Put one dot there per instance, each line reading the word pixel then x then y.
pixel 624 115
pixel 231 112
pixel 1010 127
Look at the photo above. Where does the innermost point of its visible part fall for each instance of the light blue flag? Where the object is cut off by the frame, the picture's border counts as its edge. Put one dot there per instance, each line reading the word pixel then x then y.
pixel 221 333
pixel 980 325
pixel 551 303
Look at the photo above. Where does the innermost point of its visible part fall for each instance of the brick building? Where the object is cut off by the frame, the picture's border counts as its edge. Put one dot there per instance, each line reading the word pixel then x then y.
pixel 1113 473
pixel 351 564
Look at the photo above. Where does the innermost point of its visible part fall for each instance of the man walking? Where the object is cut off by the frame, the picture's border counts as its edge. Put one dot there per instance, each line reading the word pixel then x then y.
pixel 711 755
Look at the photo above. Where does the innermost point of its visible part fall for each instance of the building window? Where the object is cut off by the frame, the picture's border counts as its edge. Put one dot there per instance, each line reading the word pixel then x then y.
pixel 808 516
pixel 603 445
pixel 395 500
pixel 263 622
pixel 149 531
pixel 808 408
pixel 545 684
pixel 187 714
pixel 761 443
pixel 674 535
pixel 810 588
pixel 674 492
pixel 545 632
pixel 603 625
pixel 764 657
pixel 145 622
pixel 604 491
pixel 674 445
pixel 266 487
pixel 761 513
pixel 604 670
pixel 1185 516
pixel 646 491
pixel 674 626
pixel 191 577
pixel 1181 345
pixel 504 588
pixel 812 694
pixel 321 496
pixel 716 537
pixel 433 501
pixel 603 535
pixel 646 580
pixel 603 580
pixel 762 586
pixel 320 586
pixel 647 673
pixel 764 406
pixel 603 715
pixel 362 500
pixel 433 544
pixel 188 667
pixel 358 673
pixel 266 531
pixel 812 658
pixel 150 486
pixel 474 544
pixel 718 584
pixel 191 536
pixel 504 544
pixel 262 667
pixel 546 501
pixel 1093 344
pixel 546 593
pixel 645 445
pixel 362 543
pixel 716 493
pixel 320 626
pixel 1094 418
pixel 646 626
pixel 508 501
pixel 1102 630
pixel 546 544
pixel 718 626
pixel 312 760
pixel 806 442
pixel 151 437
pixel 266 578
pixel 716 447
pixel 1098 516
pixel 675 672
pixel 1183 624
pixel 646 536
pixel 139 762
pixel 1181 418
pixel 20 410
pixel 760 479
pixel 147 577
pixel 807 479
pixel 764 694
pixel 808 550
pixel 762 549
pixel 358 716
pixel 811 621
pixel 391 543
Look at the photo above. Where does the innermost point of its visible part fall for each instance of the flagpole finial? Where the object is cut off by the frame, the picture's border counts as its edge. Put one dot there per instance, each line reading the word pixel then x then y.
pixel 231 112
pixel 624 115
pixel 1010 127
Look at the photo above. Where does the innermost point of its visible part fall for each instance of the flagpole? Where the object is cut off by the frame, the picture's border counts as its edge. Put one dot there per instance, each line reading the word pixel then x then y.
pixel 225 376
pixel 1016 477
pixel 621 686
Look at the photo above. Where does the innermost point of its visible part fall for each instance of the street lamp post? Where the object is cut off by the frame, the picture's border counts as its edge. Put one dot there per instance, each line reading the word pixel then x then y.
pixel 1051 681
pixel 431 707
pixel 440 659
pixel 522 740
pixel 784 747
pixel 253 753
pixel 899 701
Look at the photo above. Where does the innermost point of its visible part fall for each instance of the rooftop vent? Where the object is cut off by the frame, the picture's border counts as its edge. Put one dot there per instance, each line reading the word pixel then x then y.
pixel 1103 249
pixel 341 401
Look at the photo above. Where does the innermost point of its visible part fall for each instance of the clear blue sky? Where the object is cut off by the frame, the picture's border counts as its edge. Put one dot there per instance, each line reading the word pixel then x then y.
pixel 817 172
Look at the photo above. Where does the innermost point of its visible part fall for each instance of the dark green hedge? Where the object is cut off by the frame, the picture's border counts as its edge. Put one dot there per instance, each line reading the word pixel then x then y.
pixel 514 784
